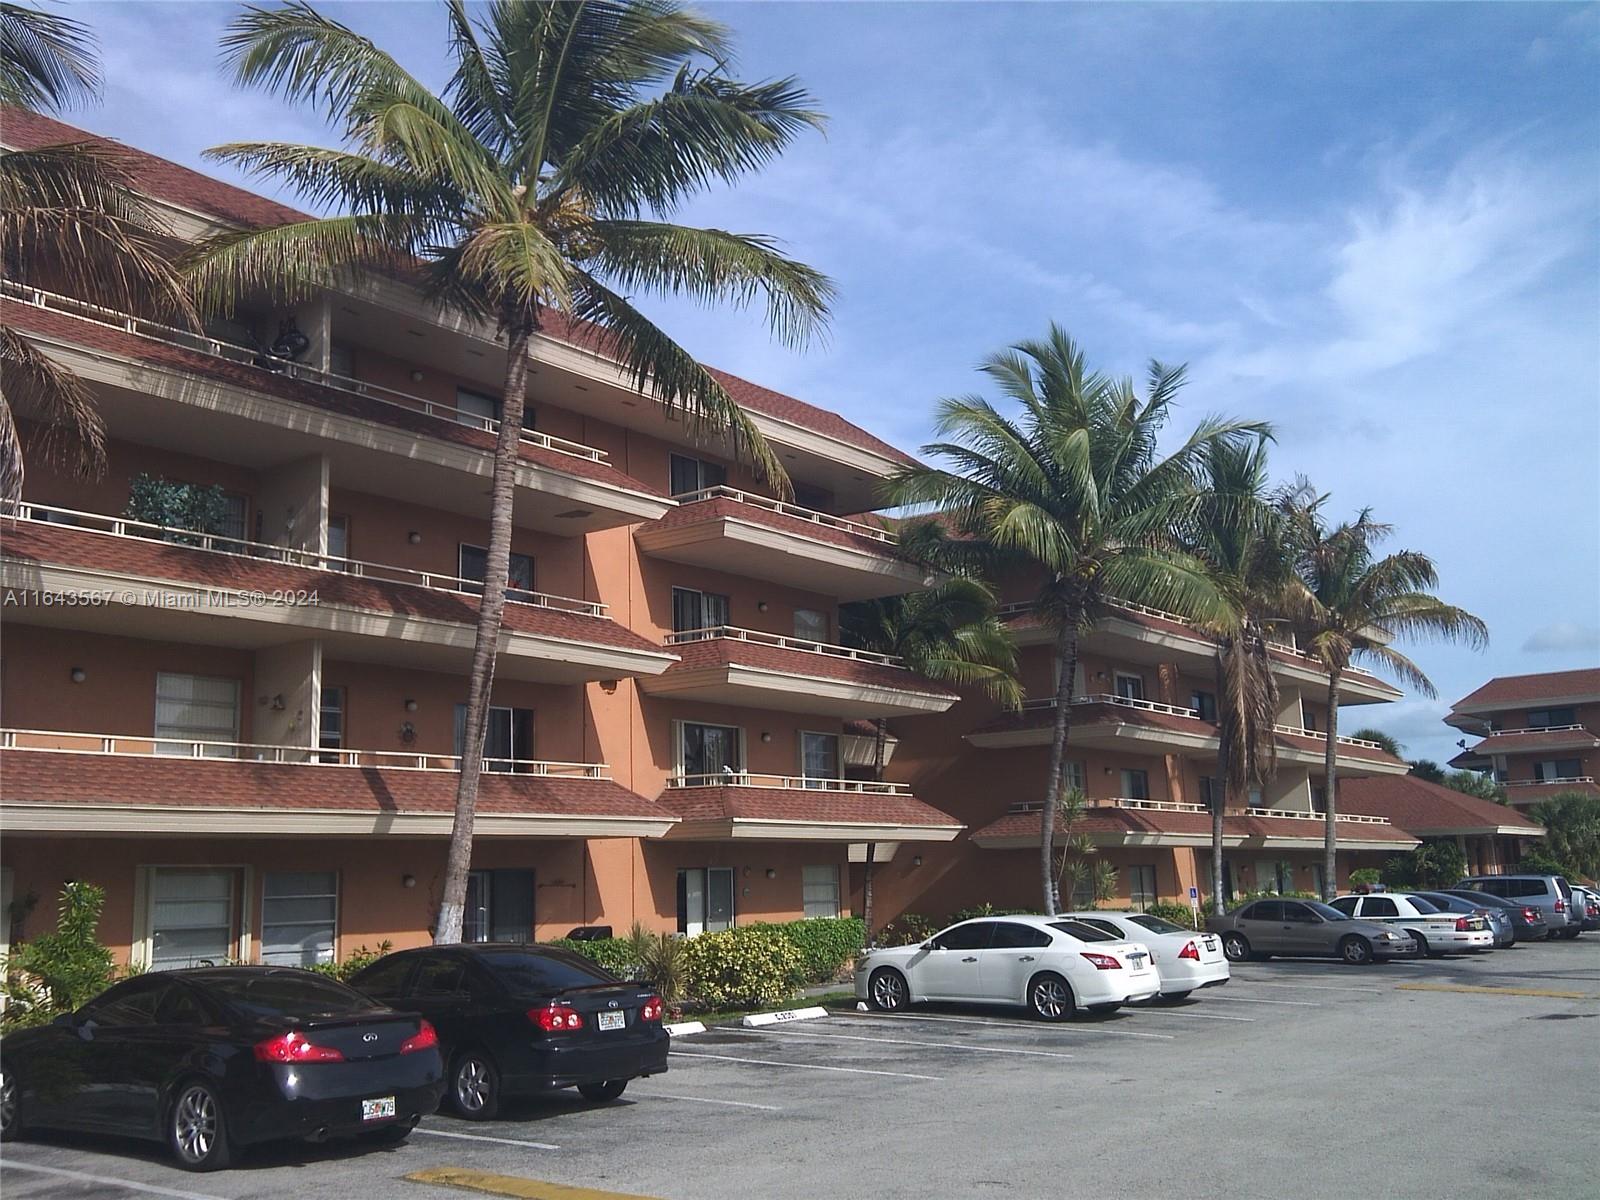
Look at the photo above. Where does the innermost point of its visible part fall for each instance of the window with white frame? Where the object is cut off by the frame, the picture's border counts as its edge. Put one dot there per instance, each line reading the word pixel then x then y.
pixel 1076 775
pixel 811 625
pixel 695 474
pixel 473 564
pixel 695 610
pixel 1130 686
pixel 1141 886
pixel 820 891
pixel 705 899
pixel 1135 784
pixel 193 917
pixel 819 756
pixel 299 917
pixel 710 752
pixel 508 740
pixel 196 708
pixel 330 722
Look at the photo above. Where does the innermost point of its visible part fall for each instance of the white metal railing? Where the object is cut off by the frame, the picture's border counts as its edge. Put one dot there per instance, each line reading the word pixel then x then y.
pixel 1129 802
pixel 784 508
pixel 218 543
pixel 1175 710
pixel 1532 729
pixel 755 779
pixel 66 741
pixel 756 637
pixel 1353 818
pixel 1322 735
pixel 201 343
pixel 1511 783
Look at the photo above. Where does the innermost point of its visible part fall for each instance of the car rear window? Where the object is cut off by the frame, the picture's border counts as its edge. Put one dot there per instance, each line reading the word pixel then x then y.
pixel 540 971
pixel 1423 906
pixel 1084 933
pixel 291 994
pixel 1524 887
pixel 1156 924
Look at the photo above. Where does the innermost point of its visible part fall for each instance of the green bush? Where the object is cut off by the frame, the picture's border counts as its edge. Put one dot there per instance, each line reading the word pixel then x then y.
pixel 55 973
pixel 616 955
pixel 1178 914
pixel 1210 909
pixel 1365 877
pixel 158 501
pixel 825 944
pixel 662 960
pixel 735 968
pixel 1430 865
pixel 907 930
pixel 359 959
pixel 982 910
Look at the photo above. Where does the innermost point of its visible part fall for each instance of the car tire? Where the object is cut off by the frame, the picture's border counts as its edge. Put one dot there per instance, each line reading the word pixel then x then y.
pixel 10 1105
pixel 1356 951
pixel 888 991
pixel 474 1086
pixel 1050 997
pixel 1236 947
pixel 197 1129
pixel 1423 949
pixel 1571 934
pixel 602 1093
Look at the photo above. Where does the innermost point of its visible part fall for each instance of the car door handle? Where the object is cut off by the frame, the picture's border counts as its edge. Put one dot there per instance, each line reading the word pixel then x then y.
pixel 1026 958
pixel 970 958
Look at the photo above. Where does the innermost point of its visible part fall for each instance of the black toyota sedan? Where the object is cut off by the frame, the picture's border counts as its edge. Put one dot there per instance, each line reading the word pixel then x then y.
pixel 214 1059
pixel 520 1020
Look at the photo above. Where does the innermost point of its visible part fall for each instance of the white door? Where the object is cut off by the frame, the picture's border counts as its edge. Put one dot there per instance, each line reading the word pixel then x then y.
pixel 952 969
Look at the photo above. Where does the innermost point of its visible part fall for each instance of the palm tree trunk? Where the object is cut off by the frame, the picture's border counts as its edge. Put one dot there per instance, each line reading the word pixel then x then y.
pixel 1219 800
pixel 1330 768
pixel 491 608
pixel 1067 667
pixel 880 736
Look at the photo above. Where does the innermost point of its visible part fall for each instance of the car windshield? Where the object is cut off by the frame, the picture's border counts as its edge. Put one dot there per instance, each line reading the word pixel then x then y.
pixel 286 994
pixel 1157 924
pixel 1325 911
pixel 542 971
pixel 1084 933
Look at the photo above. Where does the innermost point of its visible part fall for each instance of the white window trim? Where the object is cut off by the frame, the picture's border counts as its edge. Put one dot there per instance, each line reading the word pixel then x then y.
pixel 677 745
pixel 140 949
pixel 238 705
pixel 838 889
pixel 800 752
pixel 338 907
pixel 1118 676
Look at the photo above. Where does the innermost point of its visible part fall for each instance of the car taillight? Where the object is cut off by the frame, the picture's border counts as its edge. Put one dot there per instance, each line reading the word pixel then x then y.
pixel 1561 906
pixel 1190 951
pixel 1103 962
pixel 292 1047
pixel 651 1010
pixel 556 1017
pixel 1530 915
pixel 1463 924
pixel 423 1039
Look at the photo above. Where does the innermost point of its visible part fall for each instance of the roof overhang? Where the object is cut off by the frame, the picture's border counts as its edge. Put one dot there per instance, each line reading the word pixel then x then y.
pixel 737 684
pixel 721 829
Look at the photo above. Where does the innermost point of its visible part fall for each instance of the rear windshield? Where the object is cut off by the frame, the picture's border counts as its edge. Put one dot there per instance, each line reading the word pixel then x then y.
pixel 538 971
pixel 291 994
pixel 1524 887
pixel 1325 911
pixel 1084 933
pixel 1157 924
pixel 1423 906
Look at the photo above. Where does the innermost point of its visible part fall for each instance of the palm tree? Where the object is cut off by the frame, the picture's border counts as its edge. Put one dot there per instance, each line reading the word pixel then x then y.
pixel 1077 495
pixel 948 633
pixel 1348 604
pixel 534 183
pixel 69 218
pixel 1237 533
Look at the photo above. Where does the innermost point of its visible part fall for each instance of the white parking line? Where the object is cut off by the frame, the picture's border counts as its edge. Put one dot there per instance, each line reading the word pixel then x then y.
pixel 1318 987
pixel 1184 1012
pixel 12 1164
pixel 1258 1000
pixel 1036 1025
pixel 768 1062
pixel 482 1137
pixel 849 1037
pixel 709 1100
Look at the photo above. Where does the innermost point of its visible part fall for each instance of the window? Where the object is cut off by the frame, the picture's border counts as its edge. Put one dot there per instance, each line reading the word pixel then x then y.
pixel 819 755
pixel 705 899
pixel 809 495
pixel 1142 886
pixel 1156 924
pixel 1076 775
pixel 180 1006
pixel 474 566
pixel 1308 719
pixel 299 911
pixel 1319 798
pixel 442 976
pixel 1130 687
pixel 1204 703
pixel 1378 906
pixel 975 935
pixel 1265 910
pixel 1559 768
pixel 236 509
pixel 1543 718
pixel 1316 876
pixel 287 994
pixel 1423 907
pixel 539 972
pixel 1101 924
pixel 192 917
pixel 693 610
pixel 507 742
pixel 385 979
pixel 1268 878
pixel 132 1004
pixel 338 536
pixel 820 891
pixel 1298 913
pixel 1085 932
pixel 1135 784
pixel 499 906
pixel 341 360
pixel 196 708
pixel 1210 793
pixel 1009 935
pixel 1346 905
pixel 811 625
pixel 479 409
pixel 695 475
pixel 710 752
pixel 330 722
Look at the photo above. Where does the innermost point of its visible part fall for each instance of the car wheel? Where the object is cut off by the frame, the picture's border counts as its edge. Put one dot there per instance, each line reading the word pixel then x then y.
pixel 1050 997
pixel 1356 951
pixel 1422 944
pixel 1571 934
pixel 475 1086
pixel 197 1132
pixel 887 990
pixel 600 1093
pixel 1235 947
pixel 10 1105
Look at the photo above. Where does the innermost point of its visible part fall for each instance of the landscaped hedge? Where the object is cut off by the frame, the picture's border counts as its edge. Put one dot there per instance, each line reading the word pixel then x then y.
pixel 737 968
pixel 1169 910
pixel 825 944
pixel 614 954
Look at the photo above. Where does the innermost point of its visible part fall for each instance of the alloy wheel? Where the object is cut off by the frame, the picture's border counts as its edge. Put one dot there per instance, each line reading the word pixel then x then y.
pixel 472 1084
pixel 1050 998
pixel 194 1121
pixel 888 990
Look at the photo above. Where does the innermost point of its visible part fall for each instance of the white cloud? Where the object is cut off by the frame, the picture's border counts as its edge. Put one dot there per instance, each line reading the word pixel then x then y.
pixel 1564 637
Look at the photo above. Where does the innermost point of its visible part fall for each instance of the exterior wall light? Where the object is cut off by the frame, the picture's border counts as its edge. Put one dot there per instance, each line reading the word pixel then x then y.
pixel 765 736
pixel 916 860
pixel 411 705
pixel 78 674
pixel 761 606
pixel 771 874
pixel 408 881
pixel 416 377
pixel 414 538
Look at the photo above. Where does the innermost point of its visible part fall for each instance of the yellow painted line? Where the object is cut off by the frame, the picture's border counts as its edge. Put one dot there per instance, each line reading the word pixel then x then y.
pixel 514 1185
pixel 1494 991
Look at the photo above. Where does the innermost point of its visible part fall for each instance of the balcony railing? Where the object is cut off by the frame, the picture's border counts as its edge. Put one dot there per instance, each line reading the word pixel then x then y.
pixel 217 543
pixel 1353 818
pixel 804 645
pixel 731 778
pixel 767 504
pixel 1129 802
pixel 1322 735
pixel 64 741
pixel 1172 710
pixel 1496 733
pixel 1514 783
pixel 201 343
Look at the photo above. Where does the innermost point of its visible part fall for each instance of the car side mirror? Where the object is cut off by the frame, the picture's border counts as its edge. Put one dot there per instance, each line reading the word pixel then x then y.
pixel 930 944
pixel 66 1021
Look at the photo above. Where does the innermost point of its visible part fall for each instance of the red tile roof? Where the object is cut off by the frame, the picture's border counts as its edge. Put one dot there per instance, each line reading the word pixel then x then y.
pixel 1187 824
pixel 36 777
pixel 726 508
pixel 727 651
pixel 34 541
pixel 1426 808
pixel 31 319
pixel 800 804
pixel 1521 691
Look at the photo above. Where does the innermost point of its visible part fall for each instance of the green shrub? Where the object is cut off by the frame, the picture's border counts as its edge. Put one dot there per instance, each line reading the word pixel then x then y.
pixel 359 959
pixel 982 910
pixel 663 960
pixel 614 954
pixel 735 968
pixel 1209 908
pixel 55 973
pixel 907 930
pixel 825 944
pixel 158 501
pixel 1365 877
pixel 1178 914
pixel 1430 865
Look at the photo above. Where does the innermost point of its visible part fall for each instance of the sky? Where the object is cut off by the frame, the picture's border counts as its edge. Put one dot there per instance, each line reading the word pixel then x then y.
pixel 1376 226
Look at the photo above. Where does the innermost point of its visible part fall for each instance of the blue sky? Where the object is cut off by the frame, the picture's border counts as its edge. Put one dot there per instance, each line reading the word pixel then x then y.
pixel 1377 226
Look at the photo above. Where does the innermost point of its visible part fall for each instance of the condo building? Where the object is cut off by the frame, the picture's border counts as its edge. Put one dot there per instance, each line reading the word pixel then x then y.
pixel 1539 735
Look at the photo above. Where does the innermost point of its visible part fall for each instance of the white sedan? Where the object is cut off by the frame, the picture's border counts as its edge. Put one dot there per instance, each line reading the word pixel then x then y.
pixel 1434 931
pixel 1185 959
pixel 1050 964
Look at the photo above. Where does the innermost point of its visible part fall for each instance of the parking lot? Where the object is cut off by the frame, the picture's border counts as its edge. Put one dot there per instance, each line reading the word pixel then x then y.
pixel 1459 1078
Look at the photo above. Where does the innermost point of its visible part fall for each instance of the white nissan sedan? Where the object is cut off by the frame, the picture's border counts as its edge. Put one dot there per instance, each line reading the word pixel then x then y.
pixel 1185 959
pixel 1052 965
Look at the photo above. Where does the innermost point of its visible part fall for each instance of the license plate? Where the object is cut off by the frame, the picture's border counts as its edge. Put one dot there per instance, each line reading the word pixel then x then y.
pixel 1211 943
pixel 381 1109
pixel 612 1020
pixel 1136 959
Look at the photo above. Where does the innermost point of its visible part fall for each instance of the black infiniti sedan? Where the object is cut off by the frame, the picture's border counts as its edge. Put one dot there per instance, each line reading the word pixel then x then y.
pixel 214 1059
pixel 520 1020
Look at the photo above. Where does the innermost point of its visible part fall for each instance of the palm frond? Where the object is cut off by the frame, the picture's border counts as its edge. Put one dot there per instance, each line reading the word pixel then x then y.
pixel 72 432
pixel 47 62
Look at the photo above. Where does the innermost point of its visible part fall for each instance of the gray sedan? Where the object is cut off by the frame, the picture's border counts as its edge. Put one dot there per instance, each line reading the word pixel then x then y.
pixel 1263 928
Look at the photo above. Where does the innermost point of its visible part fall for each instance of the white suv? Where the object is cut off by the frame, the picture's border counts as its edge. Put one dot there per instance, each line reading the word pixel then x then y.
pixel 1434 930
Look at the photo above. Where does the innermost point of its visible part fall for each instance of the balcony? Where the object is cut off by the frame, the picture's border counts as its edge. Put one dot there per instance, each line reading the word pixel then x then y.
pixel 740 805
pixel 727 665
pixel 201 395
pixel 1531 791
pixel 724 529
pixel 65 784
pixel 113 575
pixel 1528 741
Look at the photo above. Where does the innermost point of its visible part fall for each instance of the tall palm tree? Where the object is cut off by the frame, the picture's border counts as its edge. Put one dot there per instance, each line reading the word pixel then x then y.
pixel 69 219
pixel 1078 495
pixel 1237 533
pixel 535 183
pixel 949 633
pixel 1348 604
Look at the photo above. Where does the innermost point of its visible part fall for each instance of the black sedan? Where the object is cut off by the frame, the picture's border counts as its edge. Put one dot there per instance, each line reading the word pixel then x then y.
pixel 1528 923
pixel 214 1059
pixel 520 1020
